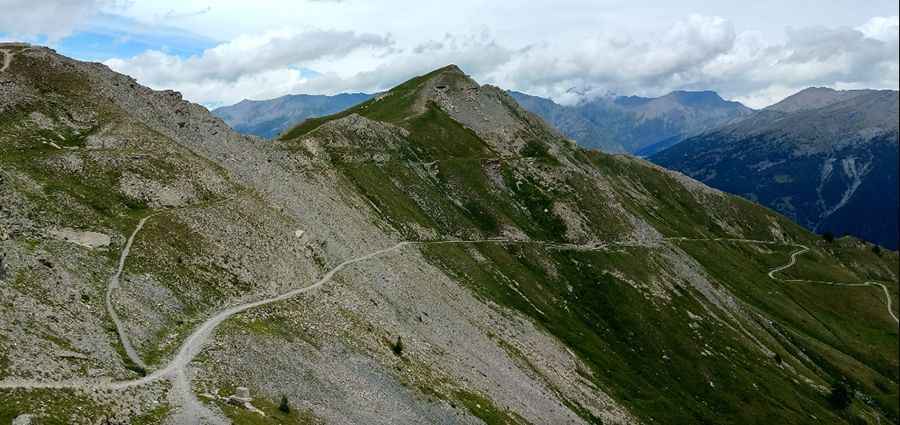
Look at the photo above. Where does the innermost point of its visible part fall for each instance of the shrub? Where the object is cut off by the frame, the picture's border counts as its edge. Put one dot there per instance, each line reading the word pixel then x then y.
pixel 397 347
pixel 534 149
pixel 284 407
pixel 840 397
pixel 876 250
pixel 828 236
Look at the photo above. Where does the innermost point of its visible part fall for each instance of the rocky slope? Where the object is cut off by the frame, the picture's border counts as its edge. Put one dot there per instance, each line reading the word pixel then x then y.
pixel 827 159
pixel 269 118
pixel 434 255
pixel 636 124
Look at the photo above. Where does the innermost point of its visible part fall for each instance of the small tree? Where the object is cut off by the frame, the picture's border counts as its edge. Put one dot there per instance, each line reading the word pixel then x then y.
pixel 828 236
pixel 840 397
pixel 284 407
pixel 534 149
pixel 876 250
pixel 397 347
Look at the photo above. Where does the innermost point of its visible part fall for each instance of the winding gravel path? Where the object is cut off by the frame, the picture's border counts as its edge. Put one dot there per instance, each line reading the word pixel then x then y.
pixel 802 249
pixel 113 285
pixel 190 410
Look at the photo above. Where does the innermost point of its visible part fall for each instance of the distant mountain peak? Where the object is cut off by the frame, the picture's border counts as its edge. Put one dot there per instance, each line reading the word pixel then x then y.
pixel 687 98
pixel 633 123
pixel 813 98
pixel 697 98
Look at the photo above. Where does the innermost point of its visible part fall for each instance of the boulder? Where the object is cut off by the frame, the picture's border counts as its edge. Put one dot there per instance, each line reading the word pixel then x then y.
pixel 24 419
pixel 86 239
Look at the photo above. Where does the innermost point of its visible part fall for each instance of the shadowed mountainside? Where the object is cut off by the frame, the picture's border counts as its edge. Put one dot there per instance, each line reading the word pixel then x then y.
pixel 827 159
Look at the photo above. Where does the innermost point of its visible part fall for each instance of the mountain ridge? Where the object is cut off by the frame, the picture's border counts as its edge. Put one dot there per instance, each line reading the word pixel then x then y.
pixel 632 123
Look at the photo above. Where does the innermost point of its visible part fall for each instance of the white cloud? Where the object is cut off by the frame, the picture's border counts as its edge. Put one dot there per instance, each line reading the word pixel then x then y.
pixel 760 74
pixel 697 52
pixel 885 28
pixel 254 65
pixel 53 19
pixel 706 53
pixel 621 62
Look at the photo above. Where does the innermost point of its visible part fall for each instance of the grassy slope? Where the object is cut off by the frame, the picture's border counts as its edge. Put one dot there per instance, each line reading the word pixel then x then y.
pixel 646 353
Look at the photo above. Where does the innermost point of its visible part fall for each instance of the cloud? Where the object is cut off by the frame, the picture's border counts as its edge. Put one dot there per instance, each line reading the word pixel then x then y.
pixel 53 19
pixel 245 61
pixel 706 53
pixel 275 64
pixel 621 62
pixel 697 52
pixel 885 28
pixel 760 74
pixel 172 14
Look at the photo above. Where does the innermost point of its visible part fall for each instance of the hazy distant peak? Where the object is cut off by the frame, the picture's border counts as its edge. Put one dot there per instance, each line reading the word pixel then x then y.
pixel 814 98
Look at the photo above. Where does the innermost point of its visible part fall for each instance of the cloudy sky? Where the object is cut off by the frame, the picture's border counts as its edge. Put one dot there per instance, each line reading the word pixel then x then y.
pixel 219 52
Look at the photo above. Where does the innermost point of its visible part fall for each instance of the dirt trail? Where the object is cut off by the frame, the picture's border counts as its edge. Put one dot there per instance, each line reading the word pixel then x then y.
pixel 190 410
pixel 802 249
pixel 113 285
pixel 869 283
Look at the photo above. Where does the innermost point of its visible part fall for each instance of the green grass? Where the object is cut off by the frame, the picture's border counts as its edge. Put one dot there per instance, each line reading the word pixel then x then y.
pixel 50 407
pixel 375 184
pixel 154 417
pixel 276 324
pixel 482 408
pixel 395 106
pixel 61 83
pixel 673 210
pixel 434 135
pixel 546 225
pixel 87 199
pixel 846 330
pixel 644 353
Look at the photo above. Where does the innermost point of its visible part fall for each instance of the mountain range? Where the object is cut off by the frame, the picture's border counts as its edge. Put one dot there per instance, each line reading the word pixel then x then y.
pixel 435 254
pixel 827 159
pixel 269 118
pixel 633 124
pixel 648 126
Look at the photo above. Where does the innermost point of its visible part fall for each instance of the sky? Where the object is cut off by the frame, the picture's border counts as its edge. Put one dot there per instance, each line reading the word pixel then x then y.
pixel 218 52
